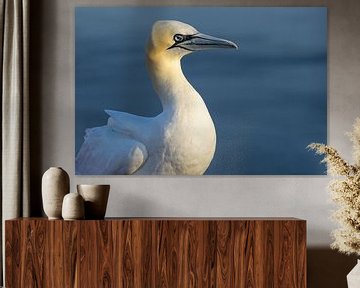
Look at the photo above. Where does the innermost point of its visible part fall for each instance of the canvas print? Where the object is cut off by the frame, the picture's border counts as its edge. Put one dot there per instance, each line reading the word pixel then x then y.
pixel 199 90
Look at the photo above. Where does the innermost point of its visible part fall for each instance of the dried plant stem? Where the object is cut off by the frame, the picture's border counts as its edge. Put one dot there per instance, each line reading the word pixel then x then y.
pixel 345 192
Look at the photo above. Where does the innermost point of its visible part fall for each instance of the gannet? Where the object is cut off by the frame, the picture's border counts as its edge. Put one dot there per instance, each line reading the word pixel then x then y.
pixel 179 141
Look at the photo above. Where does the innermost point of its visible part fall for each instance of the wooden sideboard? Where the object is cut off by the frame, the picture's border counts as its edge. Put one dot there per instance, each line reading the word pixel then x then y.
pixel 156 252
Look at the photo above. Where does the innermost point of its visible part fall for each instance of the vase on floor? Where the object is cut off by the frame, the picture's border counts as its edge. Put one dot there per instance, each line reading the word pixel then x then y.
pixel 353 278
pixel 96 198
pixel 55 185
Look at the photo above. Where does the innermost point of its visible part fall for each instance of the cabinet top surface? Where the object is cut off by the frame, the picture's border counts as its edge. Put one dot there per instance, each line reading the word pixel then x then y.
pixel 174 219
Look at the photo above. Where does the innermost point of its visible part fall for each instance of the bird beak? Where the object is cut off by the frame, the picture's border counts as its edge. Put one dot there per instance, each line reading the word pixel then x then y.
pixel 201 41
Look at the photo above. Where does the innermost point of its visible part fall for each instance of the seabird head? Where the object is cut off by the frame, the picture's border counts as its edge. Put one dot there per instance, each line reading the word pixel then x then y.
pixel 176 39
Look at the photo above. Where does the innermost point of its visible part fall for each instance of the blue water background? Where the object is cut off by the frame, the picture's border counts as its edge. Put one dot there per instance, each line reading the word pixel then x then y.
pixel 268 99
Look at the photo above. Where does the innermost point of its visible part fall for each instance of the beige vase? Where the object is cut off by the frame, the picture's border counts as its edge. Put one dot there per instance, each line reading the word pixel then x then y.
pixel 73 207
pixel 96 198
pixel 353 278
pixel 55 185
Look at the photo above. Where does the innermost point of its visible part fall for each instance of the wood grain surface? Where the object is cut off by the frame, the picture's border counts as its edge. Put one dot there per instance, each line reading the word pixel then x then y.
pixel 136 253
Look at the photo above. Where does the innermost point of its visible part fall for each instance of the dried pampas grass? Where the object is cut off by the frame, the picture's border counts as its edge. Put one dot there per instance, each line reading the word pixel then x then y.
pixel 345 192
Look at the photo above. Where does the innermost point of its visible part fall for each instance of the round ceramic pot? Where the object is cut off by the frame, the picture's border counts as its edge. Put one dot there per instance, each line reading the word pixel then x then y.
pixel 55 185
pixel 73 207
pixel 96 198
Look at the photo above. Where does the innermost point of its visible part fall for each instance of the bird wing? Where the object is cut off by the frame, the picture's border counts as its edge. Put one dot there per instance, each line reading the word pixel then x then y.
pixel 128 124
pixel 107 152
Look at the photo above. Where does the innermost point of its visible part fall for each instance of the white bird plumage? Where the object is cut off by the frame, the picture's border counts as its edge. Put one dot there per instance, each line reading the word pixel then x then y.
pixel 179 141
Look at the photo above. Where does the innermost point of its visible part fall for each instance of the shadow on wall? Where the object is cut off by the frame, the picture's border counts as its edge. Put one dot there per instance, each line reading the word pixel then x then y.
pixel 37 12
pixel 139 207
pixel 328 268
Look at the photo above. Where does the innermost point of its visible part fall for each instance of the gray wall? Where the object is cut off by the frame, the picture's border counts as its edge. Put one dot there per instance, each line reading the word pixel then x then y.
pixel 52 133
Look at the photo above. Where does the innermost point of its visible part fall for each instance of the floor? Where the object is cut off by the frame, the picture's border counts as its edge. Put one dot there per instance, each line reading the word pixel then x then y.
pixel 328 268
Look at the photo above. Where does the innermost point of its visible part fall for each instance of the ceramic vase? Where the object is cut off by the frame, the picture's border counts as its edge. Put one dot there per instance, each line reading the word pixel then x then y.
pixel 96 198
pixel 353 278
pixel 73 207
pixel 54 186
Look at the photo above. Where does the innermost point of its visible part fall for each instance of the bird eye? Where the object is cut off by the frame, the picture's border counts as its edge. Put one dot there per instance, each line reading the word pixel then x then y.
pixel 178 37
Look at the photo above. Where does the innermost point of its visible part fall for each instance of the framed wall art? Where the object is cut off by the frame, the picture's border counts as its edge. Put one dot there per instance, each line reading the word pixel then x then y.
pixel 200 90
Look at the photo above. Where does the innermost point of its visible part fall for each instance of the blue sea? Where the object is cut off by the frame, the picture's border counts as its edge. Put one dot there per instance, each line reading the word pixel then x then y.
pixel 268 99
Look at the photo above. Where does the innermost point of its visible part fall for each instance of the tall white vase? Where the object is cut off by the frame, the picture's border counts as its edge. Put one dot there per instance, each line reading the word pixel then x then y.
pixel 353 278
pixel 55 185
